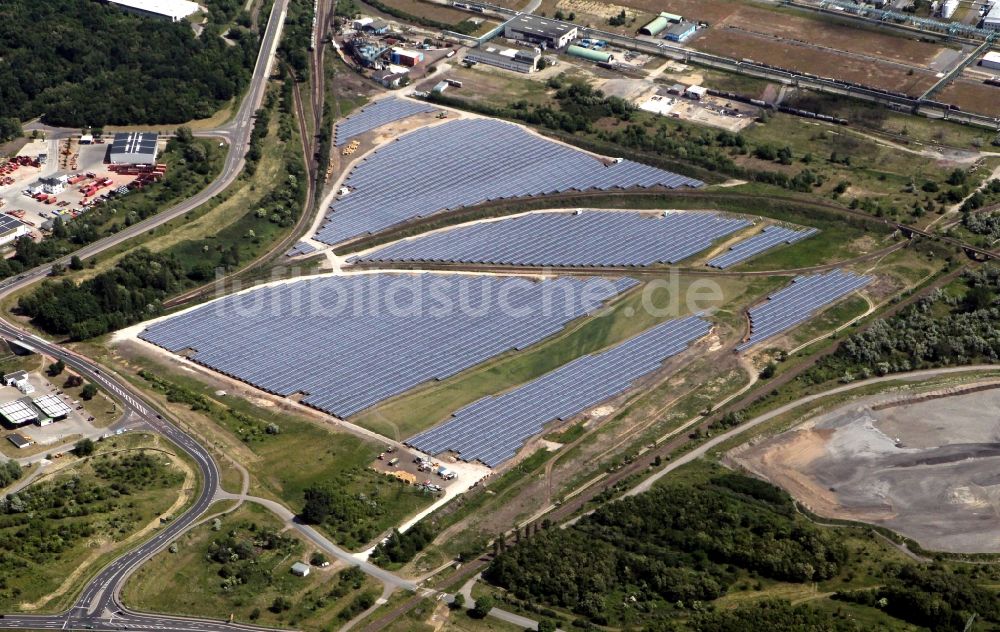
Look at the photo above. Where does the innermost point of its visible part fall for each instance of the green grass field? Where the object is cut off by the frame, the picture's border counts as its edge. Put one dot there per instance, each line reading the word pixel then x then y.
pixel 47 549
pixel 190 582
pixel 321 454
pixel 628 316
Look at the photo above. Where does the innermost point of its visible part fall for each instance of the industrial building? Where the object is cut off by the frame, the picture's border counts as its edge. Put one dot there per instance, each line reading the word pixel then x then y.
pixel 19 380
pixel 19 412
pixel 518 60
pixel 368 52
pixel 661 22
pixel 11 230
pixel 948 8
pixel 695 92
pixel 991 60
pixel 134 148
pixel 173 10
pixel 53 407
pixel 592 55
pixel 681 31
pixel 992 19
pixel 390 78
pixel 542 31
pixel 376 27
pixel 408 58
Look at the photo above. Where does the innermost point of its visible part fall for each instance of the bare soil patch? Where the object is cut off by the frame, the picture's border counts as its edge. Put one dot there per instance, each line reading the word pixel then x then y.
pixel 972 97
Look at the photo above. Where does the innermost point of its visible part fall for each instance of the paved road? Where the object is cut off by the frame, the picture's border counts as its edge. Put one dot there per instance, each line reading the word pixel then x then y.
pixel 99 607
pixel 647 483
pixel 236 132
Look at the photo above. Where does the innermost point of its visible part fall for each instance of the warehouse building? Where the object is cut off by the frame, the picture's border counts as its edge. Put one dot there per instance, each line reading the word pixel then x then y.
pixel 991 60
pixel 408 58
pixel 11 229
pixel 681 31
pixel 548 33
pixel 992 19
pixel 19 412
pixel 19 440
pixel 661 22
pixel 173 10
pixel 509 59
pixel 52 407
pixel 134 148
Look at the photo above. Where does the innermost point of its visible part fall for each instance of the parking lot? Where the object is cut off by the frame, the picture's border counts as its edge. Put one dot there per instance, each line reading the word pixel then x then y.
pixel 76 424
pixel 89 181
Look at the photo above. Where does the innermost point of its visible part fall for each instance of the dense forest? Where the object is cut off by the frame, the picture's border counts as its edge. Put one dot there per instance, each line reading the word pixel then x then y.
pixel 668 549
pixel 98 65
pixel 659 561
pixel 945 328
pixel 127 293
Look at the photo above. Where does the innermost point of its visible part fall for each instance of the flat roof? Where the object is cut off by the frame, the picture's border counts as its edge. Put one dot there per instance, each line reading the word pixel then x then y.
pixel 53 406
pixel 174 9
pixel 992 56
pixel 994 14
pixel 16 375
pixel 135 143
pixel 18 411
pixel 680 27
pixel 541 26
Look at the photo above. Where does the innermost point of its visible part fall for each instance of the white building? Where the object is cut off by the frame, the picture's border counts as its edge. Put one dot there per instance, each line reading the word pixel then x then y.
pixel 948 8
pixel 992 19
pixel 173 10
pixel 134 148
pixel 299 569
pixel 991 60
pixel 10 230
pixel 695 92
pixel 19 379
pixel 54 184
pixel 538 30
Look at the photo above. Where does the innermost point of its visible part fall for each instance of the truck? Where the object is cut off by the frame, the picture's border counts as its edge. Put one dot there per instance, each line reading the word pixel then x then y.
pixel 394 461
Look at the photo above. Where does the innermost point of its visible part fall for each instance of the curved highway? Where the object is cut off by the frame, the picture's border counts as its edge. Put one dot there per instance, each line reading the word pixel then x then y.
pixel 237 132
pixel 98 606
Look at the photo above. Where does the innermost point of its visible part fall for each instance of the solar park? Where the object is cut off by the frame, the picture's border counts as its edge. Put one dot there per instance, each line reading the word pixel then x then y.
pixel 798 302
pixel 375 115
pixel 348 343
pixel 768 238
pixel 466 162
pixel 493 429
pixel 591 238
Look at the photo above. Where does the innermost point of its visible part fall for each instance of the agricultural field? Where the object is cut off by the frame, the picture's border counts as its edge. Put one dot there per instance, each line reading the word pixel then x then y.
pixel 240 564
pixel 972 96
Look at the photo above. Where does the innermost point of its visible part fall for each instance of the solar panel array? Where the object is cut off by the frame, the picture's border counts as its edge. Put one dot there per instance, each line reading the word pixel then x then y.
pixel 351 342
pixel 764 240
pixel 301 248
pixel 376 115
pixel 797 302
pixel 494 428
pixel 467 162
pixel 598 238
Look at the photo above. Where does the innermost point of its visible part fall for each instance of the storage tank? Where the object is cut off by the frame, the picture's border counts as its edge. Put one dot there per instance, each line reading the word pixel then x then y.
pixel 586 53
pixel 661 22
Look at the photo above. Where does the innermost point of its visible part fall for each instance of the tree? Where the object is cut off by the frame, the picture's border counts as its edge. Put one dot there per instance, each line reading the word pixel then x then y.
pixel 56 368
pixel 75 263
pixel 483 606
pixel 280 604
pixel 89 391
pixel 83 447
pixel 458 602
pixel 546 625
pixel 72 381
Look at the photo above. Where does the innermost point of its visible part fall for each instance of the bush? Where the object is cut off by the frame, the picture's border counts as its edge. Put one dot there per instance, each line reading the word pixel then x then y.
pixel 89 391
pixel 483 606
pixel 83 447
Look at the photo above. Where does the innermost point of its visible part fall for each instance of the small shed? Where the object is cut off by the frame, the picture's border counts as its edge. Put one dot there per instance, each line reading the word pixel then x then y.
pixel 695 92
pixel 299 569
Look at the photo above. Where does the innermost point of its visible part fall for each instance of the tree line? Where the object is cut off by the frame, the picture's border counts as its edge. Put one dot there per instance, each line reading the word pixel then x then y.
pixel 98 65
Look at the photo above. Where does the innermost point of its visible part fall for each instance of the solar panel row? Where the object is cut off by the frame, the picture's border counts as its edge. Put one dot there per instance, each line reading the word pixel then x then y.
pixel 764 240
pixel 301 248
pixel 493 429
pixel 598 238
pixel 351 342
pixel 376 115
pixel 797 302
pixel 467 162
